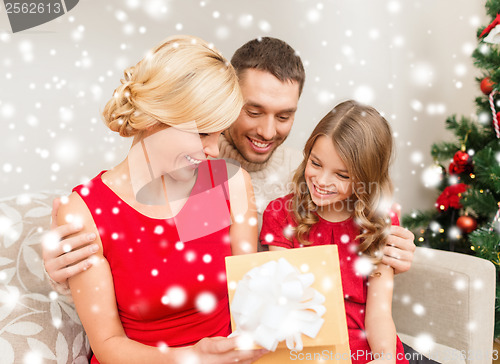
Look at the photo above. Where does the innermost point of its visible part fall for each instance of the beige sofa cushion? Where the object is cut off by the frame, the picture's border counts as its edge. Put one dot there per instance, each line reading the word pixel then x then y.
pixel 447 299
pixel 36 325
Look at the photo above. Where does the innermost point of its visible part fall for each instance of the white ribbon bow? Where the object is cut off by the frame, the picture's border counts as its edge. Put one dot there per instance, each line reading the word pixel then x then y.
pixel 493 36
pixel 274 302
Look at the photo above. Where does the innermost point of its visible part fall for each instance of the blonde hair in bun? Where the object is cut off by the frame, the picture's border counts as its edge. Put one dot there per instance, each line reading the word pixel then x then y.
pixel 183 79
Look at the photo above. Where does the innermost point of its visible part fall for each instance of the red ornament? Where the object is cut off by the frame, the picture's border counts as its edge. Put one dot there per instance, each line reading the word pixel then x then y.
pixel 461 163
pixel 486 85
pixel 455 168
pixel 467 224
pixel 461 158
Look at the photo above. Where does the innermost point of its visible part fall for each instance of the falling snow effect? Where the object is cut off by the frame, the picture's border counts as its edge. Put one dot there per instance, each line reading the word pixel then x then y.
pixel 432 176
pixel 363 266
pixel 422 74
pixel 175 297
pixel 206 302
pixel 57 125
pixel 53 134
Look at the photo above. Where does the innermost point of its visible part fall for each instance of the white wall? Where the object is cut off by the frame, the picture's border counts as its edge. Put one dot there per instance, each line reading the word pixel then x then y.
pixel 410 59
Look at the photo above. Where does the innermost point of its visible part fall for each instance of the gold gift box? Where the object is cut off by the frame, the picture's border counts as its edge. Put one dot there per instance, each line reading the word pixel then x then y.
pixel 332 342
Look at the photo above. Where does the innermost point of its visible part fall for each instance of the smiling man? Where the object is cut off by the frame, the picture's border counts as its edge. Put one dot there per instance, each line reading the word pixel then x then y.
pixel 267 116
pixel 271 79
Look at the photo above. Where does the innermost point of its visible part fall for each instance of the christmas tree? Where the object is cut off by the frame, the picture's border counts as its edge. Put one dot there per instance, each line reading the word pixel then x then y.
pixel 466 214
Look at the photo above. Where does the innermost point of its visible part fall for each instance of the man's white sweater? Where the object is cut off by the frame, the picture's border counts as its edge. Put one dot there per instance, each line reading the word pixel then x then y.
pixel 271 179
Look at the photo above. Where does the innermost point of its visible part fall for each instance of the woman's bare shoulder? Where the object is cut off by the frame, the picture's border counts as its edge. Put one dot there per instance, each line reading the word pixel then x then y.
pixel 74 210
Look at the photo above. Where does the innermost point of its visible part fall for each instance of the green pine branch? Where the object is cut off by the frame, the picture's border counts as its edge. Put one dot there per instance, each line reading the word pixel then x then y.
pixel 442 241
pixel 487 167
pixel 485 241
pixel 492 8
pixel 483 109
pixel 482 203
pixel 473 134
pixel 444 150
pixel 483 106
pixel 495 75
pixel 465 127
pixel 487 57
pixel 418 219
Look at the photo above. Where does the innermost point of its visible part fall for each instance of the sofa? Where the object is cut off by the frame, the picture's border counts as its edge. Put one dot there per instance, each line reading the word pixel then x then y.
pixel 36 324
pixel 443 307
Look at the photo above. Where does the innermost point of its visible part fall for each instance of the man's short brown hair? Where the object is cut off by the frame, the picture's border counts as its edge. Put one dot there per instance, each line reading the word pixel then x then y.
pixel 271 55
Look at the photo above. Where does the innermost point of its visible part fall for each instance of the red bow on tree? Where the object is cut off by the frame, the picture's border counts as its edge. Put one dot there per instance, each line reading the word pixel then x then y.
pixel 493 24
pixel 450 197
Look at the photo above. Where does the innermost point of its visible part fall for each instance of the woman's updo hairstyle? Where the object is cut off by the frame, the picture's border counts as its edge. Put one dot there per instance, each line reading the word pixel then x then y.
pixel 181 81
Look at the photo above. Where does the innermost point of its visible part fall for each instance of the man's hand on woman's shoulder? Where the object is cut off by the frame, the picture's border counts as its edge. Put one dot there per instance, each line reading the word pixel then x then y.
pixel 65 252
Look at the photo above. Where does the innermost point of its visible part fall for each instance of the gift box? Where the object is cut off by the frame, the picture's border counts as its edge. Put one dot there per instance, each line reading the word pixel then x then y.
pixel 331 342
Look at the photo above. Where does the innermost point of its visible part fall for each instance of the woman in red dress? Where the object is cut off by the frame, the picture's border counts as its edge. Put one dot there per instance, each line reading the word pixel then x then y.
pixel 156 291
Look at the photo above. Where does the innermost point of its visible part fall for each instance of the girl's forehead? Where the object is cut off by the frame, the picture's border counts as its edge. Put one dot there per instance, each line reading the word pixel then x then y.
pixel 323 144
pixel 325 150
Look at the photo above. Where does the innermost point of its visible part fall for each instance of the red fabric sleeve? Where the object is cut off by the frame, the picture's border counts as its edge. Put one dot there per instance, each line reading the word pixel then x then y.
pixel 274 221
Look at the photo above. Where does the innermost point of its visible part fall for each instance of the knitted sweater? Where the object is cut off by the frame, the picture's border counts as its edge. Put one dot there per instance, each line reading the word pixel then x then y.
pixel 270 180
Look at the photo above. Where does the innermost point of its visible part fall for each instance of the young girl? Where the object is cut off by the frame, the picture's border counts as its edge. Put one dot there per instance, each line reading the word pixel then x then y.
pixel 338 197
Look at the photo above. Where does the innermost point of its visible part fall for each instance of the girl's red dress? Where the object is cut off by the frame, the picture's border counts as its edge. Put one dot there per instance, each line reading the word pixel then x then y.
pixel 276 230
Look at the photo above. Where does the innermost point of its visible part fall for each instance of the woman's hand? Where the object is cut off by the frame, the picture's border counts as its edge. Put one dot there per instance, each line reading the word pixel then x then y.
pixel 60 258
pixel 221 350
